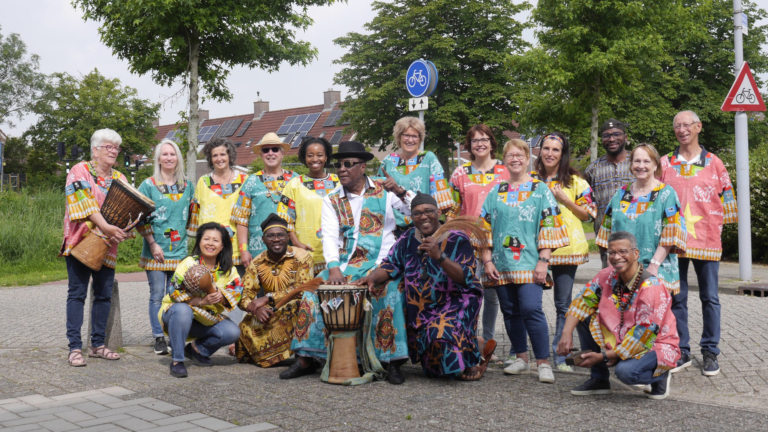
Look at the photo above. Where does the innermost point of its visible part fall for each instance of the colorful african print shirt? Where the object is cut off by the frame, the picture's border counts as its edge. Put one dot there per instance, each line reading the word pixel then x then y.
pixel 655 220
pixel 357 236
pixel 422 173
pixel 302 212
pixel 269 343
pixel 228 284
pixel 522 220
pixel 707 198
pixel 260 196
pixel 170 223
pixel 648 325
pixel 214 203
pixel 606 178
pixel 86 192
pixel 577 252
pixel 441 316
pixel 470 187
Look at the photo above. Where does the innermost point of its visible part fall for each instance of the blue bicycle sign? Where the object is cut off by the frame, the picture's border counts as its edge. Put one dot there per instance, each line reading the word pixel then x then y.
pixel 421 78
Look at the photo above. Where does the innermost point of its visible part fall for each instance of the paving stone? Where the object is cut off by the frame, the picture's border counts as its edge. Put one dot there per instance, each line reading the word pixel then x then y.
pixel 104 420
pixel 148 414
pixel 254 427
pixel 172 427
pixel 42 412
pixel 197 429
pixel 135 424
pixel 161 406
pixel 131 402
pixel 116 411
pixel 26 427
pixel 104 399
pixel 65 402
pixel 35 399
pixel 59 425
pixel 213 424
pixel 180 419
pixel 8 401
pixel 18 407
pixel 89 407
pixel 29 420
pixel 116 391
pixel 75 416
pixel 77 395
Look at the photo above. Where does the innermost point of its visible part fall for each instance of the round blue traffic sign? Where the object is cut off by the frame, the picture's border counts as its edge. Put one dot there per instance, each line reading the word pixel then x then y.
pixel 421 78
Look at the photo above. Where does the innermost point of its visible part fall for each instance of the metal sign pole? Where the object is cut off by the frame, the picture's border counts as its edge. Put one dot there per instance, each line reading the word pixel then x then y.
pixel 421 117
pixel 742 161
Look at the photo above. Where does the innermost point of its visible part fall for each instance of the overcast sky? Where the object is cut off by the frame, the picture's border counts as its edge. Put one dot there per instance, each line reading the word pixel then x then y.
pixel 56 32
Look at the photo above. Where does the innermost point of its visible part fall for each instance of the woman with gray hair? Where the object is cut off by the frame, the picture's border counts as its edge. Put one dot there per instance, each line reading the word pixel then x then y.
pixel 86 189
pixel 414 170
pixel 165 237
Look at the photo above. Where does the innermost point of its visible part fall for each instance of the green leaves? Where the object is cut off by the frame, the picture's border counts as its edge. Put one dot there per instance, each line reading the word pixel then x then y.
pixel 20 82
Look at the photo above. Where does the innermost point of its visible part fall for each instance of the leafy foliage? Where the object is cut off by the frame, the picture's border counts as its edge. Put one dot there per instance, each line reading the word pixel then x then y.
pixel 20 82
pixel 15 155
pixel 472 43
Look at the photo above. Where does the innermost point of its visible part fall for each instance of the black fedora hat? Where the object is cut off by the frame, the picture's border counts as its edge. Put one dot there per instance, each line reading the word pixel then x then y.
pixel 352 149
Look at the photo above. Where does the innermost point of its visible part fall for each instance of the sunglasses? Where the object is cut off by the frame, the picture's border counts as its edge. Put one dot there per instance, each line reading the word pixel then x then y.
pixel 266 150
pixel 346 164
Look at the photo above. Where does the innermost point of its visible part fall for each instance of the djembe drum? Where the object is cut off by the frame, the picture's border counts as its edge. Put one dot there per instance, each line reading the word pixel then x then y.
pixel 343 315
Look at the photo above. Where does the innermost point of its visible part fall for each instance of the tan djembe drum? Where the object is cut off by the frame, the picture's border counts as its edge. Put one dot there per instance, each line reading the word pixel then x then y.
pixel 342 309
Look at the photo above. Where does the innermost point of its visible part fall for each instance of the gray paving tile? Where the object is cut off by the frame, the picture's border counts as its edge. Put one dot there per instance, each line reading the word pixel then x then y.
pixel 65 402
pixel 77 395
pixel 59 425
pixel 197 429
pixel 254 427
pixel 116 391
pixel 180 419
pixel 89 407
pixel 172 427
pixel 104 420
pixel 7 416
pixel 8 401
pixel 42 412
pixel 116 411
pixel 26 427
pixel 18 407
pixel 148 414
pixel 213 424
pixel 131 402
pixel 35 399
pixel 74 416
pixel 135 424
pixel 104 399
pixel 29 420
pixel 161 406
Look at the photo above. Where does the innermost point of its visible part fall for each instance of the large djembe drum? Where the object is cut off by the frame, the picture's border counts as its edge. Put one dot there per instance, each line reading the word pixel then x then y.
pixel 343 315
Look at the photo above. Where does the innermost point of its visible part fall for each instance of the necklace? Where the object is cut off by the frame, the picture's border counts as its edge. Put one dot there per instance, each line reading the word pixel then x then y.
pixel 229 179
pixel 276 276
pixel 625 301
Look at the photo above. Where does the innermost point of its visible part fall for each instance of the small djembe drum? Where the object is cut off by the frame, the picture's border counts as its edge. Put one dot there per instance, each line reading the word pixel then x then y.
pixel 342 310
pixel 198 281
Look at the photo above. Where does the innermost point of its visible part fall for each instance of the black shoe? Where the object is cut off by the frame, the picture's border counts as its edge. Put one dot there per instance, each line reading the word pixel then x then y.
pixel 711 367
pixel 197 358
pixel 178 370
pixel 660 389
pixel 684 362
pixel 296 370
pixel 394 376
pixel 161 348
pixel 593 386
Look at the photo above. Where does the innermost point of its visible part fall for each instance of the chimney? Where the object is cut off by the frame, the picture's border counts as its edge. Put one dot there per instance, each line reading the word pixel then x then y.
pixel 330 99
pixel 259 108
pixel 203 115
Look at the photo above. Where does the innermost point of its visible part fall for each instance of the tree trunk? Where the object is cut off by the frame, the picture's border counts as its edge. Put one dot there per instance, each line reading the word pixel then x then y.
pixel 194 117
pixel 595 120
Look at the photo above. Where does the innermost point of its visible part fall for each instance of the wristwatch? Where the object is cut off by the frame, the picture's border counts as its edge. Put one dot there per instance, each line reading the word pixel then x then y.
pixel 653 261
pixel 442 258
pixel 605 357
pixel 544 260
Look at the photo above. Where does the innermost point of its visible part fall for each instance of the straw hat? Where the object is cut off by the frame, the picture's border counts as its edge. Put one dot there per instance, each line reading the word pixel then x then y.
pixel 271 139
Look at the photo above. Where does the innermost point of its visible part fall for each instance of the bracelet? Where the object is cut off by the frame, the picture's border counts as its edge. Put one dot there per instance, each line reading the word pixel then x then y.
pixel 243 247
pixel 487 262
pixel 405 191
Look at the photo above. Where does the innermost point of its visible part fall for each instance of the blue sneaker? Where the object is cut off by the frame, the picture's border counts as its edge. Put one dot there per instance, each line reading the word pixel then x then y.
pixel 178 370
pixel 684 362
pixel 711 368
pixel 197 358
pixel 660 389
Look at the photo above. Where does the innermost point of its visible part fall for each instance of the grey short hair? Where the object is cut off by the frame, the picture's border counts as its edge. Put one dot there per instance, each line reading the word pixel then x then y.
pixel 623 235
pixel 693 114
pixel 179 173
pixel 105 135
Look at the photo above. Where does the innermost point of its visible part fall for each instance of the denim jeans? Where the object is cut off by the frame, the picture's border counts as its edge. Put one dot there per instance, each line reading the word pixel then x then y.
pixel 707 273
pixel 490 312
pixel 563 276
pixel 103 280
pixel 630 372
pixel 523 315
pixel 158 288
pixel 181 324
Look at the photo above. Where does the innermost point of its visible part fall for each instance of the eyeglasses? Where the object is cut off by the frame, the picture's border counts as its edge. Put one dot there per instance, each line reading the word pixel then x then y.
pixel 513 156
pixel 428 213
pixel 616 135
pixel 275 236
pixel 620 252
pixel 111 149
pixel 684 125
pixel 266 150
pixel 411 137
pixel 480 141
pixel 346 164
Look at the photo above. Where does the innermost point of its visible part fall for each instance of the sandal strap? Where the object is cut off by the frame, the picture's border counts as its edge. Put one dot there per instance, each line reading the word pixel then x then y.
pixel 104 352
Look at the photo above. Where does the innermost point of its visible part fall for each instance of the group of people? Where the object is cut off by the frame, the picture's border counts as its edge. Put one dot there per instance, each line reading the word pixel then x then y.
pixel 265 234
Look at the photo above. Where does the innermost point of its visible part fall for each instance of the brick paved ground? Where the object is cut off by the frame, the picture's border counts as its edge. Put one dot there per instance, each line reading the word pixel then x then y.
pixel 33 362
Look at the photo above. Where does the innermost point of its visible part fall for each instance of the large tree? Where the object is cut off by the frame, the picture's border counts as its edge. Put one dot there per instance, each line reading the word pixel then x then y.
pixel 15 156
pixel 199 41
pixel 20 82
pixel 74 108
pixel 474 45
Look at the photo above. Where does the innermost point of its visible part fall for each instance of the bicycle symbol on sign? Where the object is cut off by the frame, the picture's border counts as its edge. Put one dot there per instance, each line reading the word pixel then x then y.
pixel 417 77
pixel 745 94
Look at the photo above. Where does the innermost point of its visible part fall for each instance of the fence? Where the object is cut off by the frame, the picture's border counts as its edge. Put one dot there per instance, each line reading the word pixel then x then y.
pixel 12 181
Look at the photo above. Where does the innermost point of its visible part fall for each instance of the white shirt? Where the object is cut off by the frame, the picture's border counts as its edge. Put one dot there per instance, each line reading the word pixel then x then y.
pixel 329 222
pixel 695 159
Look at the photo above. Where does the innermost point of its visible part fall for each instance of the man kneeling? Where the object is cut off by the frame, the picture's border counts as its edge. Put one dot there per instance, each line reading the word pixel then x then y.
pixel 442 293
pixel 624 317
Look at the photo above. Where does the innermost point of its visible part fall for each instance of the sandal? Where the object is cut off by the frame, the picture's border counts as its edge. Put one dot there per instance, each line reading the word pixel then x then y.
pixel 104 353
pixel 76 359
pixel 476 372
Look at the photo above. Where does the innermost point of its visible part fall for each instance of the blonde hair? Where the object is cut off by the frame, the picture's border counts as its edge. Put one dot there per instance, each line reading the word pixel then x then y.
pixel 178 173
pixel 403 124
pixel 518 143
pixel 652 152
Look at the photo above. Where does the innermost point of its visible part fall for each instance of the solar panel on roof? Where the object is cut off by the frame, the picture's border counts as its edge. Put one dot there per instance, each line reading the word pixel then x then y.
pixel 170 134
pixel 243 129
pixel 288 138
pixel 229 127
pixel 332 117
pixel 297 140
pixel 206 133
pixel 336 137
pixel 298 124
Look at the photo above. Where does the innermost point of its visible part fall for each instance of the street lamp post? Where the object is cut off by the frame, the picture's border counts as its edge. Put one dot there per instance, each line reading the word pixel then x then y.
pixel 742 160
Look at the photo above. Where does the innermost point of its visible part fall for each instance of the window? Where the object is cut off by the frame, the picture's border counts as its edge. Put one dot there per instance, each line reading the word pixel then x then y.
pixel 299 123
pixel 243 129
pixel 322 134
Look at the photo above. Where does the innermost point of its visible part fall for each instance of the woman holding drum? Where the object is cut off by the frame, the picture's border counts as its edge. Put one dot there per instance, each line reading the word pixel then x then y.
pixel 165 237
pixel 86 189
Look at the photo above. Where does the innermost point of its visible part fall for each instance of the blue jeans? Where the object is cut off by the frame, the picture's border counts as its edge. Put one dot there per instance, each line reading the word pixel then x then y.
pixel 630 372
pixel 707 273
pixel 103 280
pixel 490 312
pixel 523 315
pixel 181 324
pixel 563 276
pixel 158 288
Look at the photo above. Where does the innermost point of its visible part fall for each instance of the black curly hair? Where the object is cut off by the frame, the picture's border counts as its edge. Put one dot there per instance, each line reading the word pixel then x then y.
pixel 307 141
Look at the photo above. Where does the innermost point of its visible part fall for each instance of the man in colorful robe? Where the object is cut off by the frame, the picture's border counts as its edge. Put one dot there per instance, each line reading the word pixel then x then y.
pixel 624 317
pixel 358 221
pixel 265 336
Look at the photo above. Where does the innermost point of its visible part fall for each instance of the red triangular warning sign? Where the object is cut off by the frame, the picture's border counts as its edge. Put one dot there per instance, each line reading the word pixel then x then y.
pixel 744 95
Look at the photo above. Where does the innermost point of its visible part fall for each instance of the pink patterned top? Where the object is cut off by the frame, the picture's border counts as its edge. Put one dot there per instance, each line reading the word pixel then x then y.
pixel 470 187
pixel 86 192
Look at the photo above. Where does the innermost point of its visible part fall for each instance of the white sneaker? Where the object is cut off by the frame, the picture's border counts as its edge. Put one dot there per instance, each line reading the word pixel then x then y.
pixel 509 360
pixel 517 367
pixel 545 373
